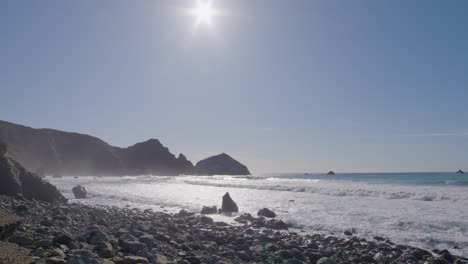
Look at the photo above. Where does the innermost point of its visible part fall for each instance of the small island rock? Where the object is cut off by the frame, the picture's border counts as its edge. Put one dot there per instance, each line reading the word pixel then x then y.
pixel 79 192
pixel 460 172
pixel 330 173
pixel 229 206
pixel 221 164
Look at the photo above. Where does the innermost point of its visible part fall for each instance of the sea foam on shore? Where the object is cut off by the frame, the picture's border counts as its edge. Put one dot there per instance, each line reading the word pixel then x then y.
pixel 422 213
pixel 76 233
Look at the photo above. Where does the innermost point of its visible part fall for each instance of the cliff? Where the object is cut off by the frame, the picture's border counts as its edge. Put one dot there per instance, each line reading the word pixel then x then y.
pixel 50 151
pixel 16 180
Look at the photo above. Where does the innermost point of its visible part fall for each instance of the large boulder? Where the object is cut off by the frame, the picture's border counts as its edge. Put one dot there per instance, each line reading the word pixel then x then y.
pixel 266 213
pixel 229 206
pixel 221 164
pixel 16 180
pixel 209 210
pixel 79 192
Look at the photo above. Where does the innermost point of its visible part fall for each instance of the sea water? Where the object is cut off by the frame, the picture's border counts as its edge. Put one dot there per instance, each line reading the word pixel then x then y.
pixel 427 210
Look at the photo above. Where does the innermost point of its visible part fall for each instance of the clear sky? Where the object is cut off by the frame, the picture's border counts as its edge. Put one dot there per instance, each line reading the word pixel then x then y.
pixel 282 86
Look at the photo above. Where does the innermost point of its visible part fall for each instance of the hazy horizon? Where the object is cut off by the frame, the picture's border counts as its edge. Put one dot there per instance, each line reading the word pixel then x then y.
pixel 280 86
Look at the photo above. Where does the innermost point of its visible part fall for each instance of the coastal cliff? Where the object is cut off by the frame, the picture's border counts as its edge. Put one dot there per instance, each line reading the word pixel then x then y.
pixel 50 151
pixel 54 152
pixel 16 180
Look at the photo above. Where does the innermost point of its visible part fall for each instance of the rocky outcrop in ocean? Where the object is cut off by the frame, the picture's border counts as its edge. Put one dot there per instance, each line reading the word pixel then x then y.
pixel 221 164
pixel 79 192
pixel 228 205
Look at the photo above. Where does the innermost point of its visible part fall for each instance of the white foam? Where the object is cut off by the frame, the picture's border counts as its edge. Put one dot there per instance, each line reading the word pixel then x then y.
pixel 424 216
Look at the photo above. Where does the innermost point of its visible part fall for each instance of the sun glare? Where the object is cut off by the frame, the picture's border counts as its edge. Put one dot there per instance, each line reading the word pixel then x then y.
pixel 204 12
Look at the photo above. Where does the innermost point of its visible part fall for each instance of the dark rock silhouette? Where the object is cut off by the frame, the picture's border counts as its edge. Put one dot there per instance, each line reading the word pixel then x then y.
pixel 277 224
pixel 16 181
pixel 221 164
pixel 266 213
pixel 229 206
pixel 460 172
pixel 330 173
pixel 55 152
pixel 209 210
pixel 80 192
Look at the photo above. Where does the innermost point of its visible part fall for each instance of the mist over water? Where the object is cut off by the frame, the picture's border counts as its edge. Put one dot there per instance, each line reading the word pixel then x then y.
pixel 427 210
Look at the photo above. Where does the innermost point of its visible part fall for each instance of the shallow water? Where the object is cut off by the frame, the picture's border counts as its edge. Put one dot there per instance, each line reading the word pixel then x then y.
pixel 428 210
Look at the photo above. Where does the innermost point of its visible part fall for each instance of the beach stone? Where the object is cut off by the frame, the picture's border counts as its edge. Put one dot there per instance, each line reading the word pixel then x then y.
pixel 79 259
pixel 104 250
pixel 209 210
pixel 131 246
pixel 206 220
pixel 55 261
pixel 278 225
pixel 148 240
pixel 326 261
pixel 135 260
pixel 193 260
pixel 57 252
pixel 95 237
pixel 266 213
pixel 367 259
pixel 79 192
pixel 21 240
pixel 160 259
pixel 43 243
pixel 83 252
pixel 313 257
pixel 447 255
pixel 64 239
pixel 293 261
pixel 228 205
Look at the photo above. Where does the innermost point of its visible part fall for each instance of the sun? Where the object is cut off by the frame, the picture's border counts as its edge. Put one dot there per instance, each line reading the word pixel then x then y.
pixel 204 12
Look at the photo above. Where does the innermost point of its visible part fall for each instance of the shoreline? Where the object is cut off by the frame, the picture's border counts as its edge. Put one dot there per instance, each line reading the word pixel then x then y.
pixel 77 233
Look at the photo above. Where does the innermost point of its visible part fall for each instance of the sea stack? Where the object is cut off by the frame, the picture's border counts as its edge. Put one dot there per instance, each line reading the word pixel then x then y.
pixel 221 164
pixel 80 192
pixel 229 206
pixel 330 173
pixel 460 172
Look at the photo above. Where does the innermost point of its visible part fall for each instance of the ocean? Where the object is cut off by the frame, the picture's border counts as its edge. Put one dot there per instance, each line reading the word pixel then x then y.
pixel 427 210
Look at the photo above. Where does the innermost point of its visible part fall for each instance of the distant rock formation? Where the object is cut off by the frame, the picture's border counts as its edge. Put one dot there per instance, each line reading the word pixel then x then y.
pixel 229 206
pixel 54 152
pixel 330 173
pixel 79 192
pixel 221 164
pixel 16 180
pixel 460 172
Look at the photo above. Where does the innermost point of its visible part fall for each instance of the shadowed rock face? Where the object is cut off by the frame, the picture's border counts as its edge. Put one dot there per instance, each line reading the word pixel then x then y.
pixel 229 206
pixel 56 152
pixel 16 180
pixel 221 164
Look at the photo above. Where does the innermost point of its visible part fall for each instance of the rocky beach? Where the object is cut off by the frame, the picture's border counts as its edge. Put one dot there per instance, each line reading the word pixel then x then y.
pixel 73 233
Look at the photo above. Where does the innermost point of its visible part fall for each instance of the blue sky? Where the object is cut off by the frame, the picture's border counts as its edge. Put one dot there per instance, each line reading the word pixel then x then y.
pixel 283 86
